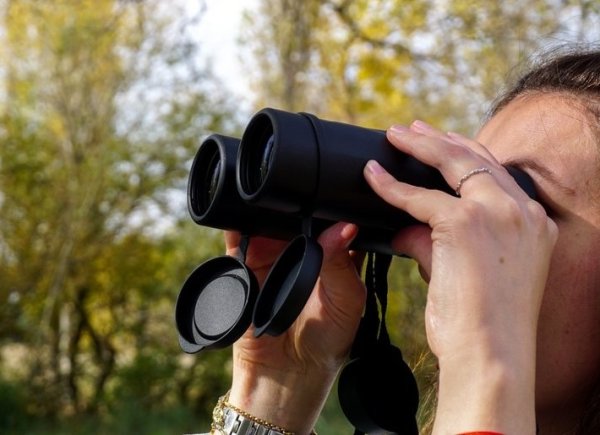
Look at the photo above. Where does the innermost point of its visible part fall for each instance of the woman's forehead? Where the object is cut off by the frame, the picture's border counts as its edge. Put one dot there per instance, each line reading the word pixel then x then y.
pixel 550 130
pixel 545 126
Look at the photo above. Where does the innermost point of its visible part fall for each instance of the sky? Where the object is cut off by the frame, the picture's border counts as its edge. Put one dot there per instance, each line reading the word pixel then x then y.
pixel 218 33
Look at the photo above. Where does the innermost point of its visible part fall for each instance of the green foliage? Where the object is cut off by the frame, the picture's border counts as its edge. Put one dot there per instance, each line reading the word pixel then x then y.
pixel 105 104
pixel 12 404
pixel 128 419
pixel 104 107
pixel 393 61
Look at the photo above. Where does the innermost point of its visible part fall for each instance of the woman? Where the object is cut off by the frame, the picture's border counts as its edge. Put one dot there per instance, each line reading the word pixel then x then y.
pixel 513 308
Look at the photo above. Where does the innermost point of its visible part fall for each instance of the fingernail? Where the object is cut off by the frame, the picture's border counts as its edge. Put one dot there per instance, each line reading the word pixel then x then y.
pixel 349 232
pixel 399 129
pixel 375 168
pixel 421 126
pixel 456 136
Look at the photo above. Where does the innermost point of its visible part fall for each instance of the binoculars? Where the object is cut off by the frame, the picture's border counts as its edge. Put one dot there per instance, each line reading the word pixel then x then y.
pixel 289 177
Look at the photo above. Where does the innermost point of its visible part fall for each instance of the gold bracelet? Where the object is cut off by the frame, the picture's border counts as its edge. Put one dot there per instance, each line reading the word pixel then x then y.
pixel 223 410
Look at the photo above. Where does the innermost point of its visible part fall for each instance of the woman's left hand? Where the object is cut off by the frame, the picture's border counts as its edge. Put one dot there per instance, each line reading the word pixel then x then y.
pixel 486 256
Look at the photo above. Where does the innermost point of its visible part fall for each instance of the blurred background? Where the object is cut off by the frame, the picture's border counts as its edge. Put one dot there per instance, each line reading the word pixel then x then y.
pixel 103 104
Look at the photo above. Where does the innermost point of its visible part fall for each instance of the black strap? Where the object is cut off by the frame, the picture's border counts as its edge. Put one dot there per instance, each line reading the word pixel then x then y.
pixel 243 247
pixel 369 323
pixel 380 284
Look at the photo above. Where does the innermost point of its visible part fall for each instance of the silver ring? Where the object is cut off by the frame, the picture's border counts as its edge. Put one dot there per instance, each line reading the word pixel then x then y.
pixel 469 175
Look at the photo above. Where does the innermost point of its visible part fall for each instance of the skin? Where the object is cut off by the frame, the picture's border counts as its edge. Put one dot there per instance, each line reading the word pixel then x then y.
pixel 569 324
pixel 486 293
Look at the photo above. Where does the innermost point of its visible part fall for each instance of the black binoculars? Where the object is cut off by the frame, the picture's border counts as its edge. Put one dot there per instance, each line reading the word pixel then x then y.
pixel 289 177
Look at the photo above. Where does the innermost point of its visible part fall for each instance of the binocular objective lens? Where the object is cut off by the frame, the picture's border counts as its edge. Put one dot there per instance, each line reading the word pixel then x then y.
pixel 267 157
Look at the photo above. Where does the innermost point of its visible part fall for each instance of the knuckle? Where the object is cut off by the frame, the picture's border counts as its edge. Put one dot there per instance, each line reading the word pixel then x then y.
pixel 469 213
pixel 537 213
pixel 545 226
pixel 455 153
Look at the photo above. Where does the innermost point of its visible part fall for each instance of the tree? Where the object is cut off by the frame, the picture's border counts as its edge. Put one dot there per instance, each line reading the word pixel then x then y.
pixel 376 62
pixel 104 106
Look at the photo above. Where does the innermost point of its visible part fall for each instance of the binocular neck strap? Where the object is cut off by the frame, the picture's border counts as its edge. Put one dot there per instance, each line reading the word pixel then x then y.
pixel 379 282
pixel 369 323
pixel 372 328
pixel 243 248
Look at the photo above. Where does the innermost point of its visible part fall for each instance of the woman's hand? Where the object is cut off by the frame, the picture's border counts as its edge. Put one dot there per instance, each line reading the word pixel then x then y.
pixel 486 256
pixel 286 379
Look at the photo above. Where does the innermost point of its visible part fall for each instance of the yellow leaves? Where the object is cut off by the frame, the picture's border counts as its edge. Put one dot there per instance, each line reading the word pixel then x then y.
pixel 55 24
pixel 56 127
pixel 376 57
pixel 88 159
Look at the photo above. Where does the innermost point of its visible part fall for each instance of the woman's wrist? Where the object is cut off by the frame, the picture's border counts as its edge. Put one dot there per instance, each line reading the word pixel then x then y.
pixel 288 399
pixel 486 391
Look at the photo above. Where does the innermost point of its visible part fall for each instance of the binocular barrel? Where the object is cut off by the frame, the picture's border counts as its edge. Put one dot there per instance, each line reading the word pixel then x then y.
pixel 293 171
pixel 214 201
pixel 296 163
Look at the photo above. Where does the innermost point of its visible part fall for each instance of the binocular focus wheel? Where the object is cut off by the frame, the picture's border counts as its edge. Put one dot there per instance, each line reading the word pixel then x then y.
pixel 378 392
pixel 215 305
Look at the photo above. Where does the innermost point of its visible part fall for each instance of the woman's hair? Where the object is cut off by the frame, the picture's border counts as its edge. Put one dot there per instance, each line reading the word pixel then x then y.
pixel 573 72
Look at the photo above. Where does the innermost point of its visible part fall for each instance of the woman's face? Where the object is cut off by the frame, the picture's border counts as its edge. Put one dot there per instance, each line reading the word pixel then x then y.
pixel 550 137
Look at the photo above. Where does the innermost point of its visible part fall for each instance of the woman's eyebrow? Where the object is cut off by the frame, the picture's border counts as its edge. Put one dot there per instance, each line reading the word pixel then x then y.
pixel 542 171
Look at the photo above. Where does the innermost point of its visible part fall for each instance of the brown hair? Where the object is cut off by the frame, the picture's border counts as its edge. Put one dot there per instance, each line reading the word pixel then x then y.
pixel 573 72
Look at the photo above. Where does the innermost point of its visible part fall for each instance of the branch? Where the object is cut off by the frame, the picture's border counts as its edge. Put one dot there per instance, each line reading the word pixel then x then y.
pixel 342 11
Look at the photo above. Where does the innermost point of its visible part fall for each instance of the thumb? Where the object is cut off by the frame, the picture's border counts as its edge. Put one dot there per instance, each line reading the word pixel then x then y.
pixel 340 278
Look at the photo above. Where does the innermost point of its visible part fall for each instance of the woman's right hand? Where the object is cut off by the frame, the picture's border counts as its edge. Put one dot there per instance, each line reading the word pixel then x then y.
pixel 286 379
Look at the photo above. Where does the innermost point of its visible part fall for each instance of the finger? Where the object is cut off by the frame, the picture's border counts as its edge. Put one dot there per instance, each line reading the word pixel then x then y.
pixel 415 242
pixel 453 160
pixel 260 253
pixel 426 129
pixel 232 242
pixel 473 144
pixel 340 264
pixel 503 178
pixel 358 258
pixel 335 242
pixel 422 204
pixel 340 279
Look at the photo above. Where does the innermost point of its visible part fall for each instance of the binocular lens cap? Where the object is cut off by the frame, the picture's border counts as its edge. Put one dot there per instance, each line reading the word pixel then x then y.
pixel 215 305
pixel 366 386
pixel 288 286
